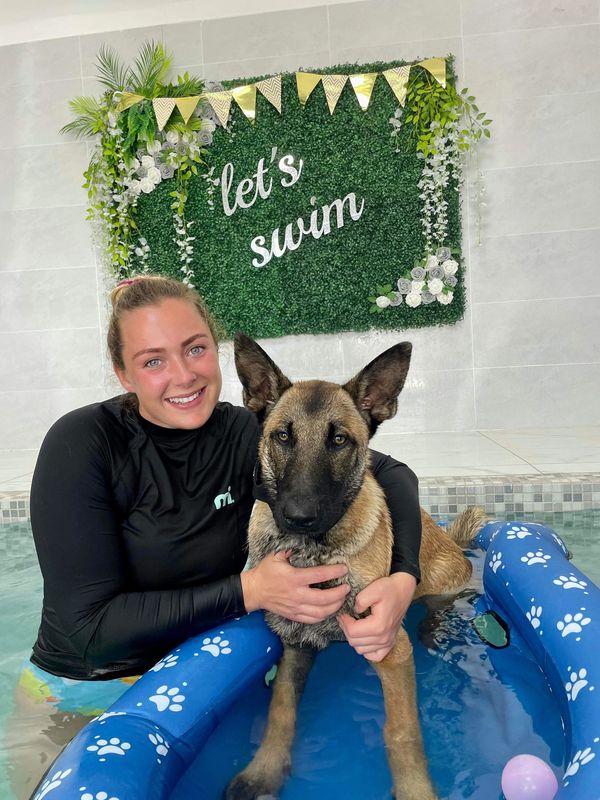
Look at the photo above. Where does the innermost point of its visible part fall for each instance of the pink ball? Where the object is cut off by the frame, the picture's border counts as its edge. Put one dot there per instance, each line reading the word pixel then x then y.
pixel 527 777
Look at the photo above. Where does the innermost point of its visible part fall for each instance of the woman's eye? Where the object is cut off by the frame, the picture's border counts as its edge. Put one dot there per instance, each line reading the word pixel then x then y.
pixel 154 362
pixel 339 439
pixel 196 350
pixel 283 436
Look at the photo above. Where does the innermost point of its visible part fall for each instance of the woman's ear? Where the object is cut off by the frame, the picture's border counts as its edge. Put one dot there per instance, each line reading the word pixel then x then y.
pixel 123 378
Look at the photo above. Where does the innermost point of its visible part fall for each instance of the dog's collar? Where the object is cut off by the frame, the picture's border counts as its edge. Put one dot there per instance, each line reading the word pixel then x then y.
pixel 259 490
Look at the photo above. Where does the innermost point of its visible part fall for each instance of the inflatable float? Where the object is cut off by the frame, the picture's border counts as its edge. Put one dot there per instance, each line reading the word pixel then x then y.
pixel 142 747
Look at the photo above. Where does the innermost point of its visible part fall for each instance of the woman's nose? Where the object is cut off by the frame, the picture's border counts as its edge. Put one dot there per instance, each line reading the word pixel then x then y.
pixel 182 372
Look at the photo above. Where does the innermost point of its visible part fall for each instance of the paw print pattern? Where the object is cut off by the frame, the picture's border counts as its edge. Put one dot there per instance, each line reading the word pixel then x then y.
pixel 97 796
pixel 577 681
pixel 105 747
pixel 572 623
pixel 533 615
pixel 580 758
pixel 161 744
pixel 107 714
pixel 167 699
pixel 52 783
pixel 570 582
pixel 216 646
pixel 518 532
pixel 496 562
pixel 539 557
pixel 165 663
pixel 561 544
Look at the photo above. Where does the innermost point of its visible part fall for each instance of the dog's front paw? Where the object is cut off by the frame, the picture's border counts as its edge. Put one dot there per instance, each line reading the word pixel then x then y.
pixel 244 787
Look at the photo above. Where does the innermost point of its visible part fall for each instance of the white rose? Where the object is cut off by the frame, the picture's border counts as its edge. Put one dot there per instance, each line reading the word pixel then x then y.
pixel 413 299
pixel 135 165
pixel 383 301
pixel 147 162
pixel 450 266
pixel 431 262
pixel 445 299
pixel 134 187
pixel 172 137
pixel 417 286
pixel 154 175
pixel 146 185
pixel 435 286
pixel 207 125
pixel 154 147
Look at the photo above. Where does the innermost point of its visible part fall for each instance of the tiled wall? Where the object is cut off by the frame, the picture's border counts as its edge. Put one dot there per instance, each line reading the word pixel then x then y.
pixel 525 354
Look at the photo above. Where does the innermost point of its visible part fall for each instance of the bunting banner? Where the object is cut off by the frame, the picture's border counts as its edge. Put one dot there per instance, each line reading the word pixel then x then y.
pixel 333 86
pixel 245 97
pixel 187 105
pixel 163 108
pixel 437 67
pixel 221 105
pixel 128 99
pixel 363 87
pixel 271 89
pixel 306 82
pixel 397 77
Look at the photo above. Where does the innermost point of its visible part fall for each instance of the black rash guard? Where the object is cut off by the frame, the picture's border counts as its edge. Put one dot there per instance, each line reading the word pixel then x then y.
pixel 141 533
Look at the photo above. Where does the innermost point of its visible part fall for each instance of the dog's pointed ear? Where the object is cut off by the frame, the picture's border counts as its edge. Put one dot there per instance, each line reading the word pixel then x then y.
pixel 262 380
pixel 376 388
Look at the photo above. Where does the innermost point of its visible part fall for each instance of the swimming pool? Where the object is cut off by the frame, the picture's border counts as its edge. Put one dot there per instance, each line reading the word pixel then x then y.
pixel 19 611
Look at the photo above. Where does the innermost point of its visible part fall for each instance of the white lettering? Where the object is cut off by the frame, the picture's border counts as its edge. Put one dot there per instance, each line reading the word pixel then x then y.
pixel 286 165
pixel 257 245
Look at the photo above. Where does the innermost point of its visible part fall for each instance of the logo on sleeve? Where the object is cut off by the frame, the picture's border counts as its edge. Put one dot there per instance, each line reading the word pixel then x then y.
pixel 224 499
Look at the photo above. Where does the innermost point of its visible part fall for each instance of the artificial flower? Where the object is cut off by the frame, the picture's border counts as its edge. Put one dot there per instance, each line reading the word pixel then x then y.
pixel 435 286
pixel 450 266
pixel 413 299
pixel 445 298
pixel 382 301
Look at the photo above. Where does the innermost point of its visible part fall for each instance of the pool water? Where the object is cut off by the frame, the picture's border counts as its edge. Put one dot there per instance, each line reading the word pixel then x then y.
pixel 455 670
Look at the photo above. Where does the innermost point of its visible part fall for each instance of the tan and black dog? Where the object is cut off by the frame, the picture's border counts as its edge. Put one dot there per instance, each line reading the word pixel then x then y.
pixel 326 507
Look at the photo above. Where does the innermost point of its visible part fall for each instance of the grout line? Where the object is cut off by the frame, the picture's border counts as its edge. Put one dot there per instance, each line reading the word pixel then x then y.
pixel 539 233
pixel 508 450
pixel 540 28
pixel 543 164
pixel 328 35
pixel 43 269
pixel 535 299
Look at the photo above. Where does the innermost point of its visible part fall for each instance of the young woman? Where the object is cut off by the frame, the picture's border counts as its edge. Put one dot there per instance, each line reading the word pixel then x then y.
pixel 139 510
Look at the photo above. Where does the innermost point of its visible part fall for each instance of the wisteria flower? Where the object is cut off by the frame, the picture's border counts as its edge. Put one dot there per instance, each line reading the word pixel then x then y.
pixel 435 286
pixel 413 299
pixel 445 298
pixel 154 175
pixel 382 301
pixel 417 273
pixel 450 266
pixel 147 162
pixel 147 185
pixel 404 285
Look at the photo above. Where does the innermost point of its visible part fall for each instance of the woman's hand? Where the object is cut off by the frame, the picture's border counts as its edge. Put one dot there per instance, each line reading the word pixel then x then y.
pixel 273 584
pixel 374 636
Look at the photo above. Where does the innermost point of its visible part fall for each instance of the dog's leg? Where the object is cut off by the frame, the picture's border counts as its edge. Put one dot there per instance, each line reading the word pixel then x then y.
pixel 402 729
pixel 267 770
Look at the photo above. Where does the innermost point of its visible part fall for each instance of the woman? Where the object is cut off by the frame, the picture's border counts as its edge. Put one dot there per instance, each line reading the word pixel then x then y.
pixel 140 506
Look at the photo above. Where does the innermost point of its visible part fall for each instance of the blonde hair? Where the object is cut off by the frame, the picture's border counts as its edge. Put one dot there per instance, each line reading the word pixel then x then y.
pixel 149 290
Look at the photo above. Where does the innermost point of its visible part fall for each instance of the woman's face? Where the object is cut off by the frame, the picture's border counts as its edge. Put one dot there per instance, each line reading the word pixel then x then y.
pixel 171 364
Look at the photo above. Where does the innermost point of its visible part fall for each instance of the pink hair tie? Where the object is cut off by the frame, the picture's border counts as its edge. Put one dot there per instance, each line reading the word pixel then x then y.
pixel 127 282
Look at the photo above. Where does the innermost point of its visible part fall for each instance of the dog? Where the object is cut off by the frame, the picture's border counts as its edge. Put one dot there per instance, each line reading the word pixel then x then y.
pixel 326 507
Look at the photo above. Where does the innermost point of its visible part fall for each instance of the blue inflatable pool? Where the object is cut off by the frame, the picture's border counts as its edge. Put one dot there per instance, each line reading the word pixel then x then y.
pixel 176 717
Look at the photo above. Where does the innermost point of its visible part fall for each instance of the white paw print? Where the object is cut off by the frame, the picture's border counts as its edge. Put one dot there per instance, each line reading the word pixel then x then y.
pixel 534 616
pixel 560 543
pixel 570 582
pixel 580 758
pixel 105 747
pixel 97 796
pixel 161 744
pixel 572 623
pixel 496 562
pixel 518 532
pixel 167 699
pixel 536 558
pixel 577 681
pixel 166 662
pixel 107 714
pixel 216 646
pixel 52 783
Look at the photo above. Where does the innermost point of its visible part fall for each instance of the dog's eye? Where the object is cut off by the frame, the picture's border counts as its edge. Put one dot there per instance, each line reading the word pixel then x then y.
pixel 283 436
pixel 339 439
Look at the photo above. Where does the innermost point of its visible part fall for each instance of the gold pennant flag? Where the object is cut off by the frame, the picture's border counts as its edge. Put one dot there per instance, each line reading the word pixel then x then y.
pixel 271 89
pixel 187 105
pixel 245 97
pixel 333 85
pixel 397 77
pixel 129 99
pixel 363 87
pixel 306 82
pixel 437 67
pixel 221 105
pixel 163 108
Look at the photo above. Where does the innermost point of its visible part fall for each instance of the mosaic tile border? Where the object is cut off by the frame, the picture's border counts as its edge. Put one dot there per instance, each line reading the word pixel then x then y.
pixel 497 494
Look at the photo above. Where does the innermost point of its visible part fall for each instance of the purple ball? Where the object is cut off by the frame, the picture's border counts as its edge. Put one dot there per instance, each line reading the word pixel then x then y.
pixel 527 777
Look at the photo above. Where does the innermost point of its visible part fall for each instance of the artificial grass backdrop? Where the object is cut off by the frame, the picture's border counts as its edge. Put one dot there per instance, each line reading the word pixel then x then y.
pixel 323 286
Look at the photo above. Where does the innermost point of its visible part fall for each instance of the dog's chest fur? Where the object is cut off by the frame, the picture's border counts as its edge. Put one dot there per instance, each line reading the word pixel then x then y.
pixel 365 548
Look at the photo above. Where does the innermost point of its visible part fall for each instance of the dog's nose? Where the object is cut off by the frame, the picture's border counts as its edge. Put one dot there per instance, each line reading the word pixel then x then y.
pixel 300 515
